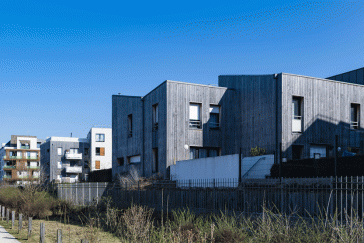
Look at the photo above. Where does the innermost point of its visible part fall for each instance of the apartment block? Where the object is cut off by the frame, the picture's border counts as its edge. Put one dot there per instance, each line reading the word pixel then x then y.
pixel 291 116
pixel 100 140
pixel 20 160
pixel 71 159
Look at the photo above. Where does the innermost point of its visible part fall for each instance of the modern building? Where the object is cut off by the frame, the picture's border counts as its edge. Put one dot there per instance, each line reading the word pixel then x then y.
pixel 20 160
pixel 70 159
pixel 292 116
pixel 100 140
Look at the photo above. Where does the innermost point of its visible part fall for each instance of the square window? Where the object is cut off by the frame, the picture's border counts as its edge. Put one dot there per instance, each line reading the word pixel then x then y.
pixel 97 151
pixel 100 137
pixel 120 161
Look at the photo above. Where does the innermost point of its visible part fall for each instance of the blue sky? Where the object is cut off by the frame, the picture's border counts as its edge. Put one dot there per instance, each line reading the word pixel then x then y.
pixel 61 61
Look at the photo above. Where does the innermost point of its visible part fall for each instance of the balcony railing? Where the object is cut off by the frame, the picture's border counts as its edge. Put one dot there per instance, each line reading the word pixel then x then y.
pixel 13 157
pixel 23 176
pixel 35 176
pixel 32 157
pixel 34 167
pixel 354 125
pixel 9 167
pixel 7 177
pixel 195 124
pixel 74 169
pixel 25 147
pixel 214 125
pixel 73 156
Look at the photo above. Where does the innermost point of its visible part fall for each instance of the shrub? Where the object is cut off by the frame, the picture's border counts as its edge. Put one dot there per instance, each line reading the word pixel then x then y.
pixel 257 151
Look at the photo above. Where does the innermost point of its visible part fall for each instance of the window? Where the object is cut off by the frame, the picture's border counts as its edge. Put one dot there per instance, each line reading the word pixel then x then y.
pixel 85 164
pixel 318 151
pixel 100 137
pixel 59 151
pixel 155 117
pixel 47 150
pixel 100 151
pixel 59 165
pixel 134 159
pixel 120 161
pixel 354 116
pixel 297 114
pixel 73 151
pixel 86 151
pixel 130 125
pixel 214 122
pixel 97 164
pixel 155 160
pixel 198 152
pixel 38 144
pixel 195 116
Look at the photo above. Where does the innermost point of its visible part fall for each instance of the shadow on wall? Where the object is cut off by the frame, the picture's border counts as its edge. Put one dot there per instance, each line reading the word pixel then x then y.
pixel 319 137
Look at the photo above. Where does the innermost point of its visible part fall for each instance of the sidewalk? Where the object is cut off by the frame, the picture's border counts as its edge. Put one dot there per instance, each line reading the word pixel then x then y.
pixel 5 237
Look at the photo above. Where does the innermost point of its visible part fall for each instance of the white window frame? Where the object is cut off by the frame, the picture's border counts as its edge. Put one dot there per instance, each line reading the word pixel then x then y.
pixel 100 137
pixel 195 115
pixel 59 151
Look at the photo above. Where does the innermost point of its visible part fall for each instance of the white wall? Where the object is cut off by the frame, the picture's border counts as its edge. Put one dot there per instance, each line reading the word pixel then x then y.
pixel 222 167
pixel 105 161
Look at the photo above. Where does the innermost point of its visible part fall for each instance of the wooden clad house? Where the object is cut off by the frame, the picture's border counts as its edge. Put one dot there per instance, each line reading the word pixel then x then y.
pixel 296 114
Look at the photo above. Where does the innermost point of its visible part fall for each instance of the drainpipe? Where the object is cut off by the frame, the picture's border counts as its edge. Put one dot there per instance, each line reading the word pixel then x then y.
pixel 275 76
pixel 143 164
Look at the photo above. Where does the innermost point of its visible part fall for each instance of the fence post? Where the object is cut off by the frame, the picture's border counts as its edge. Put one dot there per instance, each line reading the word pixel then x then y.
pixel 12 219
pixel 83 194
pixel 30 227
pixel 97 193
pixel 3 211
pixel 76 195
pixel 59 235
pixel 7 215
pixel 2 218
pixel 42 233
pixel 20 222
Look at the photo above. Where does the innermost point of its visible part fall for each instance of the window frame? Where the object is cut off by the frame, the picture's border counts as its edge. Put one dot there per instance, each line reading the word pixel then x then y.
pixel 130 125
pixel 98 136
pixel 97 154
pixel 355 125
pixel 155 116
pixel 218 123
pixel 195 123
pixel 299 116
pixel 59 149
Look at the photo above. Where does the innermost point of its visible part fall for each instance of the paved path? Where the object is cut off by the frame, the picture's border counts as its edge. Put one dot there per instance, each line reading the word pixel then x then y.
pixel 5 237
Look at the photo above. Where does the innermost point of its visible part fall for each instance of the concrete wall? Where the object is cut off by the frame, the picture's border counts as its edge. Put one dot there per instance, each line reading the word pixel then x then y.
pixel 222 167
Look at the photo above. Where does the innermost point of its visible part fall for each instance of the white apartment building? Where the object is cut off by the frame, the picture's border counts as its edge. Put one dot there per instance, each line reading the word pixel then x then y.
pixel 100 140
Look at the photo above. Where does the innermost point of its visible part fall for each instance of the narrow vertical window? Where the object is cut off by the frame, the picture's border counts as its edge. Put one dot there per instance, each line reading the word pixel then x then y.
pixel 214 122
pixel 130 125
pixel 195 115
pixel 155 160
pixel 155 117
pixel 59 151
pixel 354 116
pixel 297 114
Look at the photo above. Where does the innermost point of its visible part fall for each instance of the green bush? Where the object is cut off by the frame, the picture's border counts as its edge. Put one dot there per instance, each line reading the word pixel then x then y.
pixel 257 151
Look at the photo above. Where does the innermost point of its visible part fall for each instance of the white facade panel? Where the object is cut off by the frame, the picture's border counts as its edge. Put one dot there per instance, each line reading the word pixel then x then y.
pixel 106 160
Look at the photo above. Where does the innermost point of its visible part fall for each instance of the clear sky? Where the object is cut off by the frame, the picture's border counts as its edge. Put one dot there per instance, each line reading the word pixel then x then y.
pixel 61 61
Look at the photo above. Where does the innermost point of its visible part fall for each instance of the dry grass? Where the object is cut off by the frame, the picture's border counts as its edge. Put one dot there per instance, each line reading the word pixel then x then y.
pixel 70 232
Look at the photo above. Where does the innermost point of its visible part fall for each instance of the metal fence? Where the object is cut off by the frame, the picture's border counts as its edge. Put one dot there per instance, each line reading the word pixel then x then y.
pixel 306 197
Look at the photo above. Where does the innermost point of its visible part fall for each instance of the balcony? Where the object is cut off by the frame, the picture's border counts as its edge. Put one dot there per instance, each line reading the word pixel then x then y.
pixel 23 176
pixel 195 124
pixel 13 157
pixel 33 167
pixel 30 157
pixel 25 147
pixel 9 167
pixel 73 156
pixel 35 176
pixel 7 177
pixel 74 169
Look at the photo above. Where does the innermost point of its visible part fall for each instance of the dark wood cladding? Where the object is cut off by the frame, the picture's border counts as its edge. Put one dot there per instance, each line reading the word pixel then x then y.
pixel 355 76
